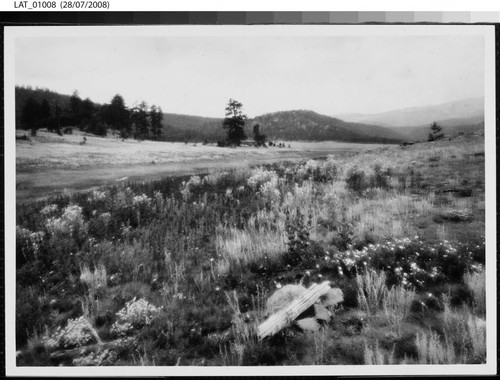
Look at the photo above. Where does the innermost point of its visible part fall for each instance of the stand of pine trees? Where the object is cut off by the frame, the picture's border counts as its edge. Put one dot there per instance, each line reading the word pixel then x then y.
pixel 41 108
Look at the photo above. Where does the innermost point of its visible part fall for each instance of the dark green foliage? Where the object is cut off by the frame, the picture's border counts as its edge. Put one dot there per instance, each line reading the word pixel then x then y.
pixel 435 132
pixel 355 180
pixel 141 121
pixel 117 116
pixel 381 178
pixel 259 138
pixel 156 116
pixel 234 122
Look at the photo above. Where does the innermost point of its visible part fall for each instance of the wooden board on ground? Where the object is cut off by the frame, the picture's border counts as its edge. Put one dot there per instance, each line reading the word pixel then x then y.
pixel 284 317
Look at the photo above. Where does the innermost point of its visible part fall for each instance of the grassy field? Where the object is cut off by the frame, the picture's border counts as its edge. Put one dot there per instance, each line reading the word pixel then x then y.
pixel 181 270
pixel 49 164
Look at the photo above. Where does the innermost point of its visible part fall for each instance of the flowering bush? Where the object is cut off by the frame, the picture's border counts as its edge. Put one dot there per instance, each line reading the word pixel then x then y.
pixel 261 176
pixel 135 314
pixel 70 222
pixel 270 192
pixel 158 201
pixel 49 210
pixel 77 333
pixel 186 187
pixel 412 262
pixel 122 199
pixel 98 195
pixel 266 183
pixel 98 358
pixel 318 170
pixel 28 243
pixel 141 201
pixel 214 178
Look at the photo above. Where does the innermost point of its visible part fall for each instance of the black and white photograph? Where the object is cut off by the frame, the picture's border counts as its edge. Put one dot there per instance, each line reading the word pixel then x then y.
pixel 307 196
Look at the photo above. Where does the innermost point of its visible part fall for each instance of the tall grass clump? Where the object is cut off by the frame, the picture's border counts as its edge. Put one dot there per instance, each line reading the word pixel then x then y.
pixel 397 305
pixel 476 282
pixel 466 331
pixel 431 351
pixel 244 334
pixel 372 291
pixel 238 247
pixel 96 283
pixel 376 356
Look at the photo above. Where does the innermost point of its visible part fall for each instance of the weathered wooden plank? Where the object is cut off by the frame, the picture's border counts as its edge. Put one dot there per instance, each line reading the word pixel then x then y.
pixel 284 317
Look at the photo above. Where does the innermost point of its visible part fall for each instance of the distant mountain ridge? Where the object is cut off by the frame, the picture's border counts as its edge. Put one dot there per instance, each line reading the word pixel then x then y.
pixel 416 116
pixel 449 127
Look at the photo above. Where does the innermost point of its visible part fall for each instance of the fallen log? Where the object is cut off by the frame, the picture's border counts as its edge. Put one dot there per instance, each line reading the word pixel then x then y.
pixel 286 316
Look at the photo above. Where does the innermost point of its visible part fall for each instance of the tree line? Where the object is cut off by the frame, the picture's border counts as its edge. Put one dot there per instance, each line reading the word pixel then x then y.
pixel 59 115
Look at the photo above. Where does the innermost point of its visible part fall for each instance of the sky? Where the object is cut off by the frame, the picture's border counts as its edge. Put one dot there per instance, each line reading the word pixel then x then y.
pixel 196 74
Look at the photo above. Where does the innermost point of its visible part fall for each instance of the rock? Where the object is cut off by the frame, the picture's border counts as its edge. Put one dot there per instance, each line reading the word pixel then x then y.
pixel 308 324
pixel 321 313
pixel 332 298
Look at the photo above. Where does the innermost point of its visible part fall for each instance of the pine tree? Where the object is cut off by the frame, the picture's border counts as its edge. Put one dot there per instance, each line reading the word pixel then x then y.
pixel 436 132
pixel 156 116
pixel 117 116
pixel 234 122
pixel 141 121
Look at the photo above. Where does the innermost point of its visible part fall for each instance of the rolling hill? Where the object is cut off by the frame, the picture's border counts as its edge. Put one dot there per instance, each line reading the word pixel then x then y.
pixel 309 125
pixel 451 127
pixel 284 125
pixel 465 109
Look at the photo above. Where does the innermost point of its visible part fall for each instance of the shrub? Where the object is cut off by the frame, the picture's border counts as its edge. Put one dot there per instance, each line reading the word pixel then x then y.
pixel 261 176
pixel 77 333
pixel 381 177
pixel 135 314
pixel 355 180
pixel 102 357
pixel 27 245
pixel 187 187
pixel 298 233
pixel 70 223
pixel 413 262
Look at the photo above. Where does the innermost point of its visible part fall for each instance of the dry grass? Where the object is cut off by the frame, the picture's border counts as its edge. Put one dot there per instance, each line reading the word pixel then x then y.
pixel 241 247
pixel 376 356
pixel 48 150
pixel 432 351
pixel 397 305
pixel 477 285
pixel 372 291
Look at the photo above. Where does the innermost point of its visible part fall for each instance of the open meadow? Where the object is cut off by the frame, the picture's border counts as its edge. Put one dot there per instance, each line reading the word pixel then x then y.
pixel 179 265
pixel 49 164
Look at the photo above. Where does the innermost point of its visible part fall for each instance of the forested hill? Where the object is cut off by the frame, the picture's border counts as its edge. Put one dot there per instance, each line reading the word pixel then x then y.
pixel 37 108
pixel 178 127
pixel 39 95
pixel 309 125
